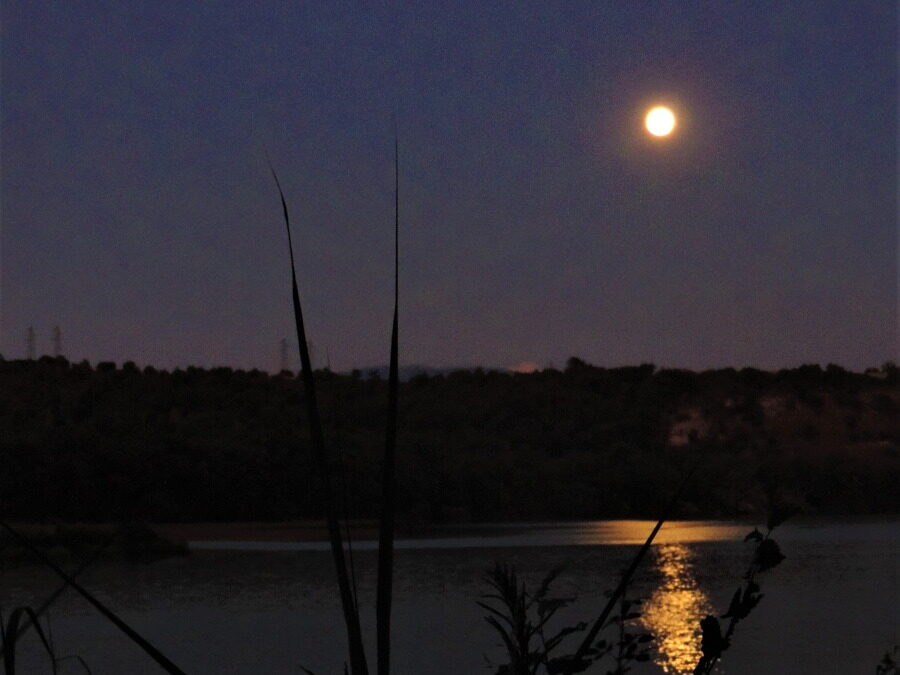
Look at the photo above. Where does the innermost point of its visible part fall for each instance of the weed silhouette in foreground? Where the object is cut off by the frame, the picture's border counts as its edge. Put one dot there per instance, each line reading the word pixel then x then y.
pixel 630 647
pixel 10 637
pixel 766 556
pixel 522 618
pixel 11 630
pixel 890 663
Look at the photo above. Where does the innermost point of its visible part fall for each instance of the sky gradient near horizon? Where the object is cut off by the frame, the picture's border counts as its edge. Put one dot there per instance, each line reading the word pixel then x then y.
pixel 539 221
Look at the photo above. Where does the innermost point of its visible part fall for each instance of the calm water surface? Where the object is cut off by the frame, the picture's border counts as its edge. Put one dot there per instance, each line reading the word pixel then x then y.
pixel 238 607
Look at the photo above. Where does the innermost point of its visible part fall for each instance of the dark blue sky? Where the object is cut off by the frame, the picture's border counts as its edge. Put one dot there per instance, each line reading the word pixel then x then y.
pixel 539 221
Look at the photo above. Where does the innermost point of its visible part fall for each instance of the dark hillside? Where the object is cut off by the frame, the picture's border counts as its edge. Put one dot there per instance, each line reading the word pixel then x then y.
pixel 110 443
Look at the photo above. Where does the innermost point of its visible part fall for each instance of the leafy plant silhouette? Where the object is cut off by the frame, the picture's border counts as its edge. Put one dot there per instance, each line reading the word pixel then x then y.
pixel 766 556
pixel 522 618
pixel 890 663
pixel 630 647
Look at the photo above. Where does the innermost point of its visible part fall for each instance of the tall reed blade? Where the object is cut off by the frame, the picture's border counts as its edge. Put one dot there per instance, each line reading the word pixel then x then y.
pixel 351 615
pixel 389 487
pixel 152 651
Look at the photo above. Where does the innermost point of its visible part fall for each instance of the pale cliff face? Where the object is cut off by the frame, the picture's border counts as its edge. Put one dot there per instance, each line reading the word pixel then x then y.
pixel 690 425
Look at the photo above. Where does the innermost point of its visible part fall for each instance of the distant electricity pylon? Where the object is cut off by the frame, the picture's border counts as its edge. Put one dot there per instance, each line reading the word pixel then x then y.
pixel 30 342
pixel 57 342
pixel 284 355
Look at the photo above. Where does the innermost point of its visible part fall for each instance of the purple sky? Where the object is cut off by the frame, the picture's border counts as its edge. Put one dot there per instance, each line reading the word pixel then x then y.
pixel 538 219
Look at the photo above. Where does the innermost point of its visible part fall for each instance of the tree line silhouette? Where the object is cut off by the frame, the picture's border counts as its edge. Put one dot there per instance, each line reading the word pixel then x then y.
pixel 108 443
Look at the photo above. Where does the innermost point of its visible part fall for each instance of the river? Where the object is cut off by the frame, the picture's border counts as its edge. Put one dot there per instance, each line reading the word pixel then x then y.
pixel 271 607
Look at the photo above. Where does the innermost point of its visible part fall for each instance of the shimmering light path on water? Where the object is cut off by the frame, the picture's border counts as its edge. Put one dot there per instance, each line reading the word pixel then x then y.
pixel 673 611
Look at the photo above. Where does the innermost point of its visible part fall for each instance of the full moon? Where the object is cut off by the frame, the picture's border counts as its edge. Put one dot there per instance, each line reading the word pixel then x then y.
pixel 660 121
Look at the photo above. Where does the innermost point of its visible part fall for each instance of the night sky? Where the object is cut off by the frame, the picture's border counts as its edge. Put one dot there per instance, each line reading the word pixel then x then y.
pixel 539 219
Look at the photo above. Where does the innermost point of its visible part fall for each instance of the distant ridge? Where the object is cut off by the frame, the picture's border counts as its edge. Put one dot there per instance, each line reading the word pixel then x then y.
pixel 478 445
pixel 410 371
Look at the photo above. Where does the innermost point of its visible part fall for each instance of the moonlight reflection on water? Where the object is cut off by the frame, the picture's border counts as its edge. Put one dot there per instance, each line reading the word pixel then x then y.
pixel 674 610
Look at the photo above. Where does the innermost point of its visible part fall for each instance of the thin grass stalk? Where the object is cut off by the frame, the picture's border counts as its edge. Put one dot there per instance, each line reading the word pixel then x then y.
pixel 12 630
pixel 53 596
pixel 635 562
pixel 389 486
pixel 351 615
pixel 347 532
pixel 76 657
pixel 135 637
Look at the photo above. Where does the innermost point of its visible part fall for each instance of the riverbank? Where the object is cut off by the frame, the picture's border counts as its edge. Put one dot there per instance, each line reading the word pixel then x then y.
pixel 85 541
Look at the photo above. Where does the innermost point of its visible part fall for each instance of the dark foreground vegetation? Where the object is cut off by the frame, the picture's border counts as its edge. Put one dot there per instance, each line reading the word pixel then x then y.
pixel 584 442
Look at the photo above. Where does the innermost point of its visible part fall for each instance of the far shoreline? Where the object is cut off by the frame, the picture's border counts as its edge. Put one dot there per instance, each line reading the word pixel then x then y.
pixel 165 539
pixel 311 531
